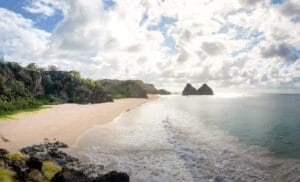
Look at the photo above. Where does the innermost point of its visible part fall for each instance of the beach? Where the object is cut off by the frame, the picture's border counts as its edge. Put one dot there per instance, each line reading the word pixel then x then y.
pixel 65 122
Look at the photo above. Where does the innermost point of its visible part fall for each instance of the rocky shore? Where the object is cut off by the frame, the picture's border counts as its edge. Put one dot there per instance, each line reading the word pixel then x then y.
pixel 45 162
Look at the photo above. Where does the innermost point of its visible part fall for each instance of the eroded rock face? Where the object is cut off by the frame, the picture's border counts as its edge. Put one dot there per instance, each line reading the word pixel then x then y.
pixel 205 90
pixel 189 90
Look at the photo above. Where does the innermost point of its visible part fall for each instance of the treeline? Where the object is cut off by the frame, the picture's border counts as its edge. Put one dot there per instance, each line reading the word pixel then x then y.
pixel 130 89
pixel 32 86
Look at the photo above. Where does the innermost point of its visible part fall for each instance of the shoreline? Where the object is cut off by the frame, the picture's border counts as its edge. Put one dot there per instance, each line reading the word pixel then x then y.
pixel 65 122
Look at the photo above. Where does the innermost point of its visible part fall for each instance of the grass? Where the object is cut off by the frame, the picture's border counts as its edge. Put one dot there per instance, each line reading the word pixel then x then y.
pixel 49 169
pixel 6 175
pixel 11 114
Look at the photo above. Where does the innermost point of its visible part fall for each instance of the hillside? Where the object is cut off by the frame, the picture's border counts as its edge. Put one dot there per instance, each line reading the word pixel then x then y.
pixel 130 88
pixel 31 86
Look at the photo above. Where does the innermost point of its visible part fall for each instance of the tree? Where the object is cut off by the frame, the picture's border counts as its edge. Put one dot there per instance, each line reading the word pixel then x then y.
pixel 53 68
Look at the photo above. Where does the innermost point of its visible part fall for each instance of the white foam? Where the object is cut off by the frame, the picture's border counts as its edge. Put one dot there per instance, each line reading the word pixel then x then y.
pixel 157 142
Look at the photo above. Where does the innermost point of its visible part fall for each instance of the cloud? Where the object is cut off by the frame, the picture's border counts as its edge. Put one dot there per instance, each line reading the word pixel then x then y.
pixel 19 38
pixel 290 8
pixel 45 7
pixel 250 2
pixel 282 50
pixel 221 42
pixel 213 48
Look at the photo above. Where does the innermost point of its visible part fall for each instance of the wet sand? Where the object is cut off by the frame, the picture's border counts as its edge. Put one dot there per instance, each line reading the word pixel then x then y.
pixel 64 122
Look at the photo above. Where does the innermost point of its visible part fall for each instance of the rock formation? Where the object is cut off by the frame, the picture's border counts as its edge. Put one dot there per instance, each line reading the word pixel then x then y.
pixel 203 90
pixel 189 90
pixel 46 163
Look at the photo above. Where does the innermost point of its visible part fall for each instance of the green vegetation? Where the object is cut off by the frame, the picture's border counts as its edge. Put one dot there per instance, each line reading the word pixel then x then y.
pixel 130 89
pixel 15 156
pixel 23 88
pixel 30 87
pixel 49 169
pixel 125 89
pixel 6 175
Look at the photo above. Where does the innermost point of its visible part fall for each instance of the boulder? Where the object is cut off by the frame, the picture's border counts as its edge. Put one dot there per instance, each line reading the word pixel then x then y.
pixel 205 90
pixel 3 152
pixel 189 90
pixel 34 163
pixel 36 176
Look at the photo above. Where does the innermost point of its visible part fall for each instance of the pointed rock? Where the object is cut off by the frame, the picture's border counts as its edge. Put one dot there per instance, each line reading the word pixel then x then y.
pixel 189 90
pixel 205 90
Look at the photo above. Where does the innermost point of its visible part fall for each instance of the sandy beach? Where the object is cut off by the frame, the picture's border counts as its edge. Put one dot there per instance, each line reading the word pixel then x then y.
pixel 64 122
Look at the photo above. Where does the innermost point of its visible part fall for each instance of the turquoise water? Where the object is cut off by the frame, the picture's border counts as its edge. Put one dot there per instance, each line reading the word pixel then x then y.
pixel 202 138
pixel 268 120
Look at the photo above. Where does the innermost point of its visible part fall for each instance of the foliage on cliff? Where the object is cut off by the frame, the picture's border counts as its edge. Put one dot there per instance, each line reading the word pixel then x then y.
pixel 125 89
pixel 30 87
pixel 131 88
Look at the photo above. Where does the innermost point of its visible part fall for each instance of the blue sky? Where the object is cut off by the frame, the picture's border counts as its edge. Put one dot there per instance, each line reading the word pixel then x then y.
pixel 236 43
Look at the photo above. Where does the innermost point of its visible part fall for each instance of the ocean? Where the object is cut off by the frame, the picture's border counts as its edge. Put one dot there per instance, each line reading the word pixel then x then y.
pixel 226 137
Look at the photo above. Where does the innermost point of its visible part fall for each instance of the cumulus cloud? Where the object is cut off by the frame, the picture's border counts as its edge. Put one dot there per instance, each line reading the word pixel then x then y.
pixel 250 2
pixel 213 48
pixel 45 7
pixel 220 42
pixel 290 8
pixel 282 50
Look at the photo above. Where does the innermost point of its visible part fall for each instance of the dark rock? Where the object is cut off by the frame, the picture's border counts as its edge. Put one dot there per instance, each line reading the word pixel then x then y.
pixel 189 90
pixel 113 176
pixel 34 163
pixel 20 168
pixel 205 90
pixel 68 175
pixel 49 151
pixel 4 162
pixel 58 177
pixel 36 176
pixel 3 152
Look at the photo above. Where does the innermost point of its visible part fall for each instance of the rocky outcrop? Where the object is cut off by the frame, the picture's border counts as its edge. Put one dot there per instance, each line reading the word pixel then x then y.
pixel 203 90
pixel 44 163
pixel 189 90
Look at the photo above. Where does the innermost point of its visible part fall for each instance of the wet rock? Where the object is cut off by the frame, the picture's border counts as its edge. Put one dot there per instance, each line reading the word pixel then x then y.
pixel 34 163
pixel 113 176
pixel 36 176
pixel 21 169
pixel 49 151
pixel 3 151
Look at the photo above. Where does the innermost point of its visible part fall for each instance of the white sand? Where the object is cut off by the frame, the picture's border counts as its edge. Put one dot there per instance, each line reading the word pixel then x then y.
pixel 64 122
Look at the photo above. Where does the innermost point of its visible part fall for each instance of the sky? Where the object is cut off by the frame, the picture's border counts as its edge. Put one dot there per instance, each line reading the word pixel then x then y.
pixel 233 45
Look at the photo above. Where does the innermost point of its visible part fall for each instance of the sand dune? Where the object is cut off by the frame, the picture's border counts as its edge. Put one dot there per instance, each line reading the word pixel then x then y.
pixel 64 122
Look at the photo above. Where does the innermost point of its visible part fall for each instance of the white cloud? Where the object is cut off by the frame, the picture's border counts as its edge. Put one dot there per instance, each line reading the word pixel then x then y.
pixel 225 43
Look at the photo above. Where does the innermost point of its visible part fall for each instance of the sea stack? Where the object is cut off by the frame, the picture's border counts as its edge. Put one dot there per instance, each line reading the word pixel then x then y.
pixel 189 90
pixel 205 90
